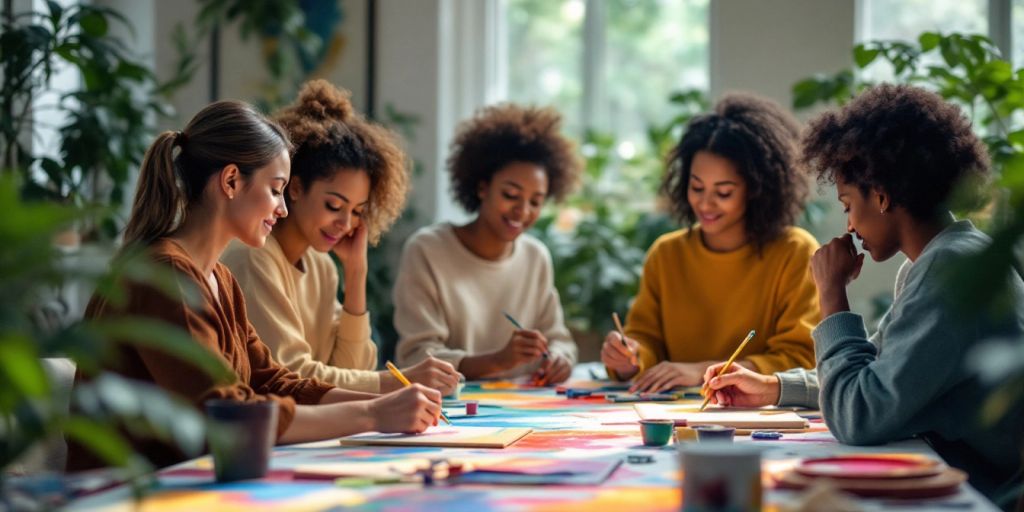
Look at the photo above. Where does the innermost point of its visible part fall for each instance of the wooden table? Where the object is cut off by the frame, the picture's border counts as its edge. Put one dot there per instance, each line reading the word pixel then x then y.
pixel 577 429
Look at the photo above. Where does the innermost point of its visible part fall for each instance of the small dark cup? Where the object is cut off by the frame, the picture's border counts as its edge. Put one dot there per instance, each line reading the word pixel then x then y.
pixel 241 437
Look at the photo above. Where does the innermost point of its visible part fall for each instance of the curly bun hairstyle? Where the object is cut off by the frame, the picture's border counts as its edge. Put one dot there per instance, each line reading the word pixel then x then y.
pixel 760 139
pixel 330 136
pixel 904 140
pixel 502 134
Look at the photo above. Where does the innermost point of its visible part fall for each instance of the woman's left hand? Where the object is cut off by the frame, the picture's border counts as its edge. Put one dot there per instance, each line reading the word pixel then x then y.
pixel 351 250
pixel 667 375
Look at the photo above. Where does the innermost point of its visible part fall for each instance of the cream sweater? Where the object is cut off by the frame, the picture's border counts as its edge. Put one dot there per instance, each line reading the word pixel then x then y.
pixel 449 302
pixel 297 314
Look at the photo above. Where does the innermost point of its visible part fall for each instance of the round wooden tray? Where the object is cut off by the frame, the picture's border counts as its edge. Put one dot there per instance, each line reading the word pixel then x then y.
pixel 871 466
pixel 943 484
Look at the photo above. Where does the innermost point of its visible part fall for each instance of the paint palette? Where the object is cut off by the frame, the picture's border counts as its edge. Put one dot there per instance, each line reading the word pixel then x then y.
pixel 873 466
pixel 944 483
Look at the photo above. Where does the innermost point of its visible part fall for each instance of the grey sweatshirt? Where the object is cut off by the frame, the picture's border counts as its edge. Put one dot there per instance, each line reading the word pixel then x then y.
pixel 910 379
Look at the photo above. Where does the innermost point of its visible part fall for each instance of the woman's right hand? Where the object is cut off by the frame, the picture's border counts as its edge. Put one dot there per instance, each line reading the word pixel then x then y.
pixel 740 387
pixel 525 346
pixel 621 359
pixel 411 409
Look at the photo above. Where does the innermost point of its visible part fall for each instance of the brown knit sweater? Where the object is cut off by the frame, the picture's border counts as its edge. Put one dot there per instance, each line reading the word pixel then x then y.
pixel 219 324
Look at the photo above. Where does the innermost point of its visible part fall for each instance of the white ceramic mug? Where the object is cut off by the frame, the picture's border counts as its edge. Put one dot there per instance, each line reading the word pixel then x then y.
pixel 721 477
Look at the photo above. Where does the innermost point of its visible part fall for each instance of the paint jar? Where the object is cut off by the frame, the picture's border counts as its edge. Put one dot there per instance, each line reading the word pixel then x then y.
pixel 241 437
pixel 471 407
pixel 721 477
pixel 685 434
pixel 714 433
pixel 656 432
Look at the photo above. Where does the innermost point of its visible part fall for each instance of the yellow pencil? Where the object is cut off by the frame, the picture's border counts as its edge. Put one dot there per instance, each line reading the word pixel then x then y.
pixel 405 382
pixel 728 363
pixel 622 334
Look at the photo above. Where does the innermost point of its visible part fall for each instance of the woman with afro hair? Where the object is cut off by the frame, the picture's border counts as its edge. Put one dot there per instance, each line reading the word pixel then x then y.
pixel 897 154
pixel 741 265
pixel 348 184
pixel 456 282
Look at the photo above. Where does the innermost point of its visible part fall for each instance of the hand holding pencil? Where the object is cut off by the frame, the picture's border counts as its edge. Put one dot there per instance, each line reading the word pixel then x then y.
pixel 619 353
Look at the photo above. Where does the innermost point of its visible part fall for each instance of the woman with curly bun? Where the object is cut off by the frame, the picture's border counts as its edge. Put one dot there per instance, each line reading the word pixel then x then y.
pixel 741 265
pixel 456 282
pixel 897 154
pixel 348 184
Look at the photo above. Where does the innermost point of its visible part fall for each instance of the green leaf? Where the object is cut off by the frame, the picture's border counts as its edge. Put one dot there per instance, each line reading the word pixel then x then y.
pixel 864 56
pixel 93 24
pixel 929 40
pixel 20 368
pixel 102 440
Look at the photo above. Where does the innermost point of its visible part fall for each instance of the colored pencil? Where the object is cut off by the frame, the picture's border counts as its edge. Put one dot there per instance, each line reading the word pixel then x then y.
pixel 728 363
pixel 405 382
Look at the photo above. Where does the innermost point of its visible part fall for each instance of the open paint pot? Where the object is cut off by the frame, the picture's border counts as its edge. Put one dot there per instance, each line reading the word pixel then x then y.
pixel 656 432
pixel 714 433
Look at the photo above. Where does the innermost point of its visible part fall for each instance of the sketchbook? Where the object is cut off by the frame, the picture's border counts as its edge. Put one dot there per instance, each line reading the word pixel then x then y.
pixel 446 437
pixel 766 419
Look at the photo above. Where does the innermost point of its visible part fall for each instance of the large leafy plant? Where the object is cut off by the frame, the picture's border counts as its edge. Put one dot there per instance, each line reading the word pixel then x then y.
pixel 106 406
pixel 108 114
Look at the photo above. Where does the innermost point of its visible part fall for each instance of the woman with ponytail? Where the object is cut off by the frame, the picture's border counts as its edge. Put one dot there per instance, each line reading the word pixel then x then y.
pixel 223 178
pixel 348 184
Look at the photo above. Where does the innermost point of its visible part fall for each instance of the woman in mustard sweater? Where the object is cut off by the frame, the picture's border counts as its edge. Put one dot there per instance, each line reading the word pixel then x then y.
pixel 741 265
pixel 348 184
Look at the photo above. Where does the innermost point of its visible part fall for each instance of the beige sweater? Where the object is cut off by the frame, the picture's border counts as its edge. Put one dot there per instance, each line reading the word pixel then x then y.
pixel 449 302
pixel 298 316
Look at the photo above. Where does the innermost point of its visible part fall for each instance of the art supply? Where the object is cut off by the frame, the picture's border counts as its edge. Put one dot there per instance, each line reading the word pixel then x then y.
pixel 593 386
pixel 471 407
pixel 241 437
pixel 405 382
pixel 755 419
pixel 577 393
pixel 622 337
pixel 447 437
pixel 871 465
pixel 639 459
pixel 946 483
pixel 541 471
pixel 765 435
pixel 721 477
pixel 684 434
pixel 539 378
pixel 714 433
pixel 656 432
pixel 356 482
pixel 620 398
pixel 726 366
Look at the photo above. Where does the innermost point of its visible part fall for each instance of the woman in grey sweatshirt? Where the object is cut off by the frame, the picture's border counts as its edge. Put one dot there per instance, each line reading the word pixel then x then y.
pixel 896 154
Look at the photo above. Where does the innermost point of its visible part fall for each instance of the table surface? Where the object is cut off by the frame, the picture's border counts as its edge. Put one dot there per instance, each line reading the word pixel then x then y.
pixel 565 429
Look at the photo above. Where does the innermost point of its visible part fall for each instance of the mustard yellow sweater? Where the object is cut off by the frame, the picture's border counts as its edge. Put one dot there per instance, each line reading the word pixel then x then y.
pixel 697 305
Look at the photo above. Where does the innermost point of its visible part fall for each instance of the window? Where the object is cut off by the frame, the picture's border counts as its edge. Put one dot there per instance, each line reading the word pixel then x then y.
pixel 608 65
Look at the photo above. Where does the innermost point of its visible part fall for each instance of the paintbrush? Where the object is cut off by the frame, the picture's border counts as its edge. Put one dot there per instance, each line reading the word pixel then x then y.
pixel 622 337
pixel 520 326
pixel 725 368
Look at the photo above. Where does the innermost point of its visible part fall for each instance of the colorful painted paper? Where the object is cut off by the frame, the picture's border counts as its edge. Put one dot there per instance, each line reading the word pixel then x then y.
pixel 449 437
pixel 742 418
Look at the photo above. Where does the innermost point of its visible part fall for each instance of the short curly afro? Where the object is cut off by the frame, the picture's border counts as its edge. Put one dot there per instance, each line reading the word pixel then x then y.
pixel 503 134
pixel 330 136
pixel 904 140
pixel 760 138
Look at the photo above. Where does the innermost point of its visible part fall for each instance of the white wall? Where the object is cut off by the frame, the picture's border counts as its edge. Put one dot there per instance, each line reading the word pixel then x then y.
pixel 765 47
